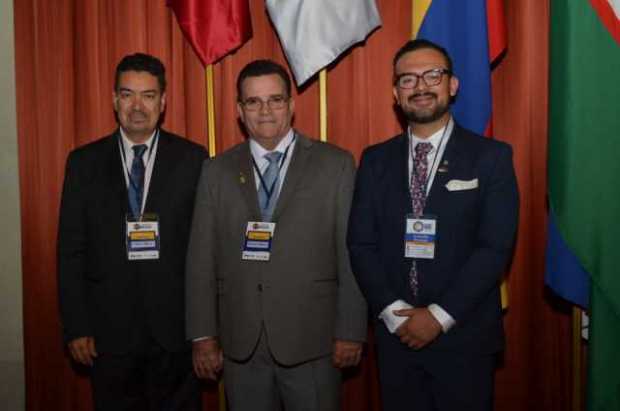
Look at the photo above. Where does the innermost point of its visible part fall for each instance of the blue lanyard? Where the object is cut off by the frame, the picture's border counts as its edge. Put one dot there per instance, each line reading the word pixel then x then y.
pixel 269 190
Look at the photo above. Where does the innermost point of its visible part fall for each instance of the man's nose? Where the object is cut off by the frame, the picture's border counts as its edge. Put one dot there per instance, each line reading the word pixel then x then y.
pixel 136 103
pixel 264 108
pixel 421 84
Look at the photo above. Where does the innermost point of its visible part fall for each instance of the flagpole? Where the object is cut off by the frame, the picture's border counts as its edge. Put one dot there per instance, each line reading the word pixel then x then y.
pixel 323 105
pixel 577 359
pixel 211 137
pixel 210 110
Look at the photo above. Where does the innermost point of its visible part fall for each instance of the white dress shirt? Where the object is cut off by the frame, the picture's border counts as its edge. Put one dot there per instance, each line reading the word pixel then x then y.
pixel 439 141
pixel 148 158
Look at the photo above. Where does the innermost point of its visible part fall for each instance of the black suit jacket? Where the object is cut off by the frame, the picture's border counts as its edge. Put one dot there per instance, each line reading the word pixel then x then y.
pixel 475 235
pixel 123 303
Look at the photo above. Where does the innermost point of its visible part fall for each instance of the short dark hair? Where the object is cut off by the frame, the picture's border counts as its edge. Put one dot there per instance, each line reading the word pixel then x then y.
pixel 417 44
pixel 263 68
pixel 142 62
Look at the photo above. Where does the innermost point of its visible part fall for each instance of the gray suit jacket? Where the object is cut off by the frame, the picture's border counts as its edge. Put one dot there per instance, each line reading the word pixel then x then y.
pixel 306 295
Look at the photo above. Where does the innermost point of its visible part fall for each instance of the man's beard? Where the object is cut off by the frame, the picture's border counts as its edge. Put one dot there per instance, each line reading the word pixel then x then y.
pixel 424 117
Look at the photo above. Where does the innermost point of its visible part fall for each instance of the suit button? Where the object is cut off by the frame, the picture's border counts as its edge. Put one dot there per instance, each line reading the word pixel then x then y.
pixel 260 287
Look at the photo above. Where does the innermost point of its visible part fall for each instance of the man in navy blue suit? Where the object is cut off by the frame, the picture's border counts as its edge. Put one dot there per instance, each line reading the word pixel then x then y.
pixel 431 232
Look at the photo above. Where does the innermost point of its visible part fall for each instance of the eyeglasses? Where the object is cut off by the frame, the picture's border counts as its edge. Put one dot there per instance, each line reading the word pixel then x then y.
pixel 431 78
pixel 276 102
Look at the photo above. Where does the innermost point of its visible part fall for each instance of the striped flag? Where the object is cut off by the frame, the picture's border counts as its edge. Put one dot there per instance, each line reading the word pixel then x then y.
pixel 464 28
pixel 214 28
pixel 584 192
pixel 314 33
pixel 474 34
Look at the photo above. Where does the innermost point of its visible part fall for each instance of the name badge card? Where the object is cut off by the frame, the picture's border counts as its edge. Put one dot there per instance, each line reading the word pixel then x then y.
pixel 258 236
pixel 143 237
pixel 420 237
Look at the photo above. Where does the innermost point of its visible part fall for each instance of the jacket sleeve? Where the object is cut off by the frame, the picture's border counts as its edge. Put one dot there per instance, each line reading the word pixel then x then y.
pixel 351 319
pixel 71 253
pixel 200 283
pixel 363 239
pixel 497 225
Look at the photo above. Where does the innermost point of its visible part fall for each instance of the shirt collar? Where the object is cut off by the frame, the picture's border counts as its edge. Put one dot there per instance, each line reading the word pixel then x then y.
pixel 435 138
pixel 128 144
pixel 259 151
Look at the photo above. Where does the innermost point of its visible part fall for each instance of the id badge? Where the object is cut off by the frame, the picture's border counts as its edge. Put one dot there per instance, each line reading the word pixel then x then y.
pixel 420 236
pixel 258 237
pixel 142 237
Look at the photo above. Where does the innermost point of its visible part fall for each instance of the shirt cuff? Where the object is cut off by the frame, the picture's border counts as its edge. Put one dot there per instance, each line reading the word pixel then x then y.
pixel 443 318
pixel 392 321
pixel 201 338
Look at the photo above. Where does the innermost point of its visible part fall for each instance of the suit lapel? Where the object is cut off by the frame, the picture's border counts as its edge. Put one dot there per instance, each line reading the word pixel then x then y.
pixel 114 184
pixel 162 169
pixel 247 182
pixel 294 174
pixel 401 162
pixel 450 163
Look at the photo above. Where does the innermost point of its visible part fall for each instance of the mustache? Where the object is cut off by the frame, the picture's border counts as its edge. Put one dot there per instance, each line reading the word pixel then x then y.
pixel 425 94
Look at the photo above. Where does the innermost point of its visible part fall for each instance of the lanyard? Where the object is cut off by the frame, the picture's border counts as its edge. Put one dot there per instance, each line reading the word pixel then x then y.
pixel 269 190
pixel 413 168
pixel 127 170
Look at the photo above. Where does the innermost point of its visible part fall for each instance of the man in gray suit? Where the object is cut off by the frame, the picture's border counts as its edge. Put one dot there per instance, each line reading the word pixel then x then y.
pixel 270 293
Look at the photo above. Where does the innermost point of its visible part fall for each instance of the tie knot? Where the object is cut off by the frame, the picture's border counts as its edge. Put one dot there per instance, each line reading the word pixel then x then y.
pixel 273 157
pixel 138 150
pixel 422 149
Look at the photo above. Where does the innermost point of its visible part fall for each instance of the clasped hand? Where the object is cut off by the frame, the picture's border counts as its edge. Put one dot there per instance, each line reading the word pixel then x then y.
pixel 419 329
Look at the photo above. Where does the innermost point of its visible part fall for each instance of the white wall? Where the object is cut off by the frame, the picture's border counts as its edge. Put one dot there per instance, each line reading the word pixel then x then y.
pixel 11 340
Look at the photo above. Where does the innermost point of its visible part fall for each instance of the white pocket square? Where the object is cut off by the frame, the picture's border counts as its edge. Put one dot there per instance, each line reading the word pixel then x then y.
pixel 460 185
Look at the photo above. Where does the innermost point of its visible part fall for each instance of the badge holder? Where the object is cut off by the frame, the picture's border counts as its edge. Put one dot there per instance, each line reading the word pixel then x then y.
pixel 142 238
pixel 258 239
pixel 420 236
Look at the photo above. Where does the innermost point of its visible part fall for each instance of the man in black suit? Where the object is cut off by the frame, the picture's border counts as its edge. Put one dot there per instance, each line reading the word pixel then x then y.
pixel 431 231
pixel 125 216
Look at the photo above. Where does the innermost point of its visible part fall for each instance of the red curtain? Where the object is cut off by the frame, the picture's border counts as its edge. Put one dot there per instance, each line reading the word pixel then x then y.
pixel 66 52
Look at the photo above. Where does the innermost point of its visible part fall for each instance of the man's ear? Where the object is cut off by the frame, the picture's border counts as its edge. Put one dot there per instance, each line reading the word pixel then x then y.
pixel 454 85
pixel 115 101
pixel 163 103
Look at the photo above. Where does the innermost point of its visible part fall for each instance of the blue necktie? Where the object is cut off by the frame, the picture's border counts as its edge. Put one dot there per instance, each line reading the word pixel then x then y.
pixel 267 200
pixel 136 180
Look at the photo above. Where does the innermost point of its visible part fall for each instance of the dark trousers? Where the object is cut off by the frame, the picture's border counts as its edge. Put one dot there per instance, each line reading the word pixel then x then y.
pixel 152 379
pixel 432 380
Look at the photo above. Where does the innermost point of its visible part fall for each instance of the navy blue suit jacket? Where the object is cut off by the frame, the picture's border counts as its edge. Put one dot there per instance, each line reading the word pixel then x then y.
pixel 475 235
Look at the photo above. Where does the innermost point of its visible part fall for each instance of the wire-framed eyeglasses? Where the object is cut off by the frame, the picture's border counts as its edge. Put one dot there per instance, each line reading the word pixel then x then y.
pixel 275 102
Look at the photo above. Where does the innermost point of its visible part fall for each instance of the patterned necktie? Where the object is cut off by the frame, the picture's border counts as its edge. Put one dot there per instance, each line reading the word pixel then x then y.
pixel 418 197
pixel 136 180
pixel 267 200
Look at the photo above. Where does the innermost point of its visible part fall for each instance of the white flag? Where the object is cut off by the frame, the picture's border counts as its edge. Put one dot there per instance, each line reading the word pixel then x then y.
pixel 315 32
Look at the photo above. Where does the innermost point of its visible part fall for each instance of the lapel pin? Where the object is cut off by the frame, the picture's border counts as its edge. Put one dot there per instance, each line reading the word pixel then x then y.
pixel 241 178
pixel 443 168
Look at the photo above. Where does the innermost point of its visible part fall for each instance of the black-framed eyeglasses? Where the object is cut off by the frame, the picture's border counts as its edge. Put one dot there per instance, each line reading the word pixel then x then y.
pixel 431 78
pixel 275 102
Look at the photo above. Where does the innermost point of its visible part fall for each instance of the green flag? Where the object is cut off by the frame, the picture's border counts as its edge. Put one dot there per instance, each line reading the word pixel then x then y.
pixel 584 170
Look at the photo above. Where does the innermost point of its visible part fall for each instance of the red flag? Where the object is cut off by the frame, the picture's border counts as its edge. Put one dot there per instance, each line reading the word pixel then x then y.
pixel 497 29
pixel 213 27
